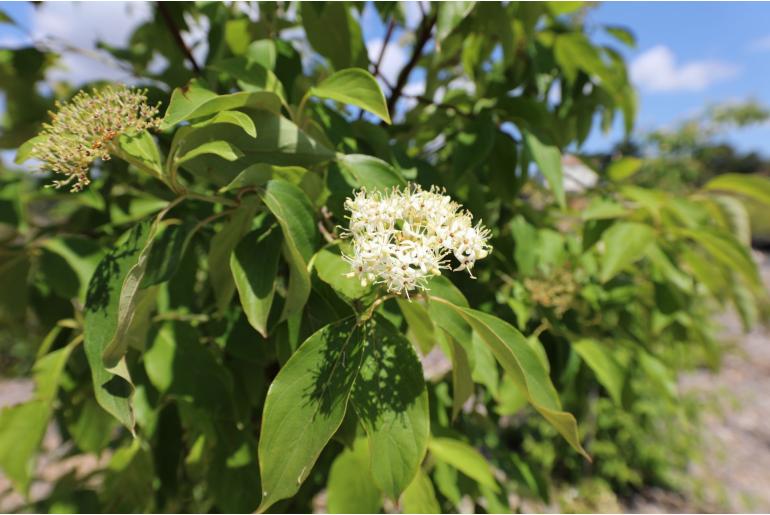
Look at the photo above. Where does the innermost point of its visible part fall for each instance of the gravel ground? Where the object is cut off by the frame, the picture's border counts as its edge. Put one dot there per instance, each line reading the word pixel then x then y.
pixel 734 475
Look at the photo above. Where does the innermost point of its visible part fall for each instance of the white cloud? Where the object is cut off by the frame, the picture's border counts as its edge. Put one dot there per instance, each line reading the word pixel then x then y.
pixel 657 70
pixel 81 25
pixel 760 44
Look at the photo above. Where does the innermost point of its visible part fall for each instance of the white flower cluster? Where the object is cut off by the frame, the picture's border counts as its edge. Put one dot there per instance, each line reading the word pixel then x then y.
pixel 402 238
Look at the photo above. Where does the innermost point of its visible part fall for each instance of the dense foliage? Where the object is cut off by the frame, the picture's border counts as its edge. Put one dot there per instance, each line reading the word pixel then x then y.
pixel 191 318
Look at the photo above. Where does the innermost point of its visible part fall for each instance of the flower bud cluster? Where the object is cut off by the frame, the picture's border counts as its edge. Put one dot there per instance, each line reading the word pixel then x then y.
pixel 558 291
pixel 85 128
pixel 403 237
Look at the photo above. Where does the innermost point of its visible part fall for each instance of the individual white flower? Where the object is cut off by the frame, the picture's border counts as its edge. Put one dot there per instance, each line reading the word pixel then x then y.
pixel 403 237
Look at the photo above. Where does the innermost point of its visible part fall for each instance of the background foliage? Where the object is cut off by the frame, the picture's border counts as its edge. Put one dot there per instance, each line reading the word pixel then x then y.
pixel 155 309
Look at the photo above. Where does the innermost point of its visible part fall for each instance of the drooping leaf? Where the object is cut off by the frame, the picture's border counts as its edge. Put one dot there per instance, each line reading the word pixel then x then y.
pixel 462 380
pixel 391 402
pixel 254 264
pixel 113 387
pixel 294 214
pixel 130 296
pixel 354 86
pixel 523 366
pixel 304 407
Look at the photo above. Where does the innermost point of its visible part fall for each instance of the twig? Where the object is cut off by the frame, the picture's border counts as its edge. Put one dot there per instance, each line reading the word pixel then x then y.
pixel 378 62
pixel 169 20
pixel 388 35
pixel 403 76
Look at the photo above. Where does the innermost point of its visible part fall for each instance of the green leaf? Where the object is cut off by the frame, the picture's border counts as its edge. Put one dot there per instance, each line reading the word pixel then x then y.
pixel 82 255
pixel 369 172
pixel 351 488
pixel 251 76
pixel 141 151
pixel 112 386
pixel 278 142
pixel 334 33
pixel 219 148
pixel 179 365
pixel 624 244
pixel 420 325
pixel 522 364
pixel 623 168
pixel 419 496
pixel 752 186
pixel 728 251
pixel 304 407
pixel 236 118
pixel 548 159
pixel 254 264
pixel 24 152
pixel 131 295
pixel 464 458
pixel 450 15
pixel 391 402
pixel 622 34
pixel 444 316
pixel 258 174
pixel 23 426
pixel 262 52
pixel 222 245
pixel 605 366
pixel 563 7
pixel 602 209
pixel 354 86
pixel 4 18
pixel 295 215
pixel 462 380
pixel 333 270
pixel 167 251
pixel 195 101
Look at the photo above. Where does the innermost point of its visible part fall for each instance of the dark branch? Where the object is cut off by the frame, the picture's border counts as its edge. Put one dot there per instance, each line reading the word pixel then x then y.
pixel 426 26
pixel 174 30
pixel 388 34
pixel 378 63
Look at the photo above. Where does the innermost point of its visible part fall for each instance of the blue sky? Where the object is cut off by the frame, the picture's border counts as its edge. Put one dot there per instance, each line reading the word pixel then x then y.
pixel 689 54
